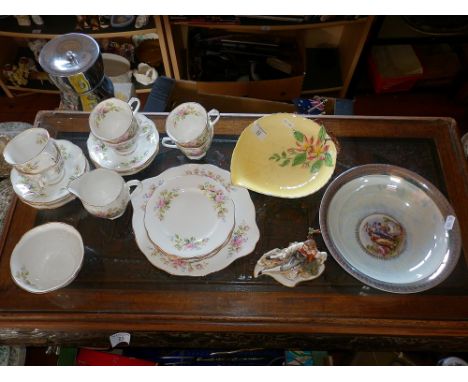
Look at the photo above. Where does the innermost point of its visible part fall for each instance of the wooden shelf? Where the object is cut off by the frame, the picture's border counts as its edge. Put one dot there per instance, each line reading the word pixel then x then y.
pixel 53 28
pixel 268 28
pixel 33 89
pixel 138 90
pixel 321 91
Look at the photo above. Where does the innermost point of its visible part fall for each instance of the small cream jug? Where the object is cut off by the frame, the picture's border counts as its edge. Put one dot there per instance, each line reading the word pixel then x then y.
pixel 104 193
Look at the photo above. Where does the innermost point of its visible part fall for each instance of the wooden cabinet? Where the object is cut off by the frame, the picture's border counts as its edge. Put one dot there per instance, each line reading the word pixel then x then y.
pixel 14 39
pixel 345 37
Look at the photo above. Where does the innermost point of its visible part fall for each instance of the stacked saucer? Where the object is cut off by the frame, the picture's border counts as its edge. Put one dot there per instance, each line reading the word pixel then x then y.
pixel 190 220
pixel 53 195
pixel 146 149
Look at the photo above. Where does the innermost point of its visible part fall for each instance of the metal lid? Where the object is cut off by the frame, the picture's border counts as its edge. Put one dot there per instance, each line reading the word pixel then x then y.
pixel 69 54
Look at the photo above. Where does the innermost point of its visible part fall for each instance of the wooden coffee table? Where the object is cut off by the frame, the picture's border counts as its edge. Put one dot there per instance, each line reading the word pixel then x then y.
pixel 119 290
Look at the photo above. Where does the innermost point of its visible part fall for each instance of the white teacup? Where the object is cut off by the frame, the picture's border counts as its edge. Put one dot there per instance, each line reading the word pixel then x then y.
pixel 35 154
pixel 113 121
pixel 104 193
pixel 190 128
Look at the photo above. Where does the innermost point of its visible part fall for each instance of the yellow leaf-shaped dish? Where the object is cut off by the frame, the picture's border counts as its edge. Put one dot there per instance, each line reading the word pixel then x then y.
pixel 283 155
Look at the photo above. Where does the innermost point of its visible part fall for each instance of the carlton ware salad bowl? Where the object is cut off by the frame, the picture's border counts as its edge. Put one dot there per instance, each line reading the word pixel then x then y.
pixel 390 228
pixel 283 155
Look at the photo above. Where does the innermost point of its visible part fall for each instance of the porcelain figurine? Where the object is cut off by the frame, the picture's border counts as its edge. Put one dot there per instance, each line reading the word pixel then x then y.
pixel 94 22
pixel 300 261
pixel 23 20
pixel 37 20
pixel 82 23
pixel 141 21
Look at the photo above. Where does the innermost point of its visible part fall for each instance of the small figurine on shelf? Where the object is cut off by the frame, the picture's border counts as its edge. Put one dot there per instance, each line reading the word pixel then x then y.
pixel 94 21
pixel 104 22
pixel 141 21
pixel 14 75
pixel 81 23
pixel 19 74
pixel 23 20
pixel 145 74
pixel 36 47
pixel 127 50
pixel 37 20
pixel 298 262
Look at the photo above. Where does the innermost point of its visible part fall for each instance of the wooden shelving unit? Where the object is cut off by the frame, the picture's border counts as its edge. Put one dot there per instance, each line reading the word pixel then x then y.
pixel 346 36
pixel 57 25
pixel 12 36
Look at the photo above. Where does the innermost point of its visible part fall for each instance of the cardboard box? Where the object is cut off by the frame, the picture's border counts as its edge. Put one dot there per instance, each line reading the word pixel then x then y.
pixel 291 65
pixel 185 91
pixel 276 90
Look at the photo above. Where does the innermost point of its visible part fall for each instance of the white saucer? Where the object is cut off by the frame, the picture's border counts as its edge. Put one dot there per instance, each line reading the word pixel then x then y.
pixel 189 216
pixel 56 204
pixel 242 241
pixel 75 164
pixel 146 150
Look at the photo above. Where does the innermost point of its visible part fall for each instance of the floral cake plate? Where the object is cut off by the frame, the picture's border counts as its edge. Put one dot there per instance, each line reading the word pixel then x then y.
pixel 390 228
pixel 189 216
pixel 283 155
pixel 53 196
pixel 243 239
pixel 146 150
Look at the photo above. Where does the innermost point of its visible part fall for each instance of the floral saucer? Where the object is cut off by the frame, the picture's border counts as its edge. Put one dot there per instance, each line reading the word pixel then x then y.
pixel 146 150
pixel 189 216
pixel 56 195
pixel 243 239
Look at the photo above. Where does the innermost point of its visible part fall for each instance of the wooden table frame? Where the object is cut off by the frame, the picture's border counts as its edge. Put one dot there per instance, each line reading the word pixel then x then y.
pixel 285 317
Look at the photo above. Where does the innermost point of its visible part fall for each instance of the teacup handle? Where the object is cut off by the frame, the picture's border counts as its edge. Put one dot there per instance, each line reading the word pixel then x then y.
pixel 171 143
pixel 133 100
pixel 213 113
pixel 133 183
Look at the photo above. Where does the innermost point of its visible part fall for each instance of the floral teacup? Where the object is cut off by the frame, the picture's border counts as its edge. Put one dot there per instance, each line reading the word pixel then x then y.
pixel 35 154
pixel 190 128
pixel 104 193
pixel 113 121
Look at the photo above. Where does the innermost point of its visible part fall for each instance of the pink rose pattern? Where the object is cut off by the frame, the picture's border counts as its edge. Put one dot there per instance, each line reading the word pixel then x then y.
pixel 164 202
pixel 217 196
pixel 189 243
pixel 105 109
pixel 239 237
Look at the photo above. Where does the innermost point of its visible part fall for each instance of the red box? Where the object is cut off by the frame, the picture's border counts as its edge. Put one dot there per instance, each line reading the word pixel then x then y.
pixel 88 357
pixel 390 84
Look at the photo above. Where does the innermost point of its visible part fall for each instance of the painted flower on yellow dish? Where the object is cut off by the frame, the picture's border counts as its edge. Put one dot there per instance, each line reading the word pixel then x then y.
pixel 308 152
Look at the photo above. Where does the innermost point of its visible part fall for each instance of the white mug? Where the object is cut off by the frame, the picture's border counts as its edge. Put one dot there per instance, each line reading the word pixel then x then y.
pixel 190 128
pixel 104 193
